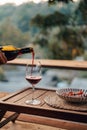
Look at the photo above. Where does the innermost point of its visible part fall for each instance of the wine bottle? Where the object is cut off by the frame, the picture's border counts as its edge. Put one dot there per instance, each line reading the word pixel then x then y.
pixel 11 52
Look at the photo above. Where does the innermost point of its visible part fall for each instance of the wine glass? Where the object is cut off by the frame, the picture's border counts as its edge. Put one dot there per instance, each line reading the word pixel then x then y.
pixel 33 76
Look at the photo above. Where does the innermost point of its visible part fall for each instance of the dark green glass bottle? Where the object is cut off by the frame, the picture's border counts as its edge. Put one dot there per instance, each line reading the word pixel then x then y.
pixel 12 52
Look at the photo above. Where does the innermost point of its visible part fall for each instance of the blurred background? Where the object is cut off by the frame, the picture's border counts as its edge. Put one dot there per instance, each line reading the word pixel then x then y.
pixel 55 29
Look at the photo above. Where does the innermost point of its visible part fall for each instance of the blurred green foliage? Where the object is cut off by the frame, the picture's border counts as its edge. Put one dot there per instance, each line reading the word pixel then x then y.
pixel 57 32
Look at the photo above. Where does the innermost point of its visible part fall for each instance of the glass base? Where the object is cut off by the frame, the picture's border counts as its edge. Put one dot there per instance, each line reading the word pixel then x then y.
pixel 33 102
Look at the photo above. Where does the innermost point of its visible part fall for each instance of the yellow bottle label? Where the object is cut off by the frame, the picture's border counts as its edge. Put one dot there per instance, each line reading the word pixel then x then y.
pixel 9 48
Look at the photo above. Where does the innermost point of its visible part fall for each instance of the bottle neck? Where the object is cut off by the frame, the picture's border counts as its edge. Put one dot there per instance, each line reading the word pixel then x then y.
pixel 26 50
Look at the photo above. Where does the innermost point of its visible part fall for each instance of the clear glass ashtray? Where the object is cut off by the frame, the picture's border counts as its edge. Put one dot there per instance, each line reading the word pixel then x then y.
pixel 73 94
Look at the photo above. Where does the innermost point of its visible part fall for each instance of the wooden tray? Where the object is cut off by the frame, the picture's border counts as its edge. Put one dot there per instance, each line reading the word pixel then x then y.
pixel 16 103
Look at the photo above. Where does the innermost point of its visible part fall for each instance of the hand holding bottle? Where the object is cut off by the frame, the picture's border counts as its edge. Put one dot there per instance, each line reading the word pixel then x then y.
pixel 11 52
pixel 3 58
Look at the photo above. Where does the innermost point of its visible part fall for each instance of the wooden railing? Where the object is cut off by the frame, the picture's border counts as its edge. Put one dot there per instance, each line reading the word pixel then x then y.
pixel 64 64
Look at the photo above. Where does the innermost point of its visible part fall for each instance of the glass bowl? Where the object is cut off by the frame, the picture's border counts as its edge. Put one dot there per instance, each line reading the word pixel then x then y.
pixel 73 94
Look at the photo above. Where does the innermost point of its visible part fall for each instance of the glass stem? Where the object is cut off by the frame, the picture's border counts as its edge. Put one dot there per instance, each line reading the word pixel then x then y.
pixel 33 88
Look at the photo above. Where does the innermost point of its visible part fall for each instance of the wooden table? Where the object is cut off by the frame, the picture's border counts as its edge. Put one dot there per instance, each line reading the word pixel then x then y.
pixel 51 116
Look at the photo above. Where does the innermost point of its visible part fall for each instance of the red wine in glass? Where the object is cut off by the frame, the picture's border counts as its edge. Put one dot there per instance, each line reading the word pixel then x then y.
pixel 33 76
pixel 33 79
